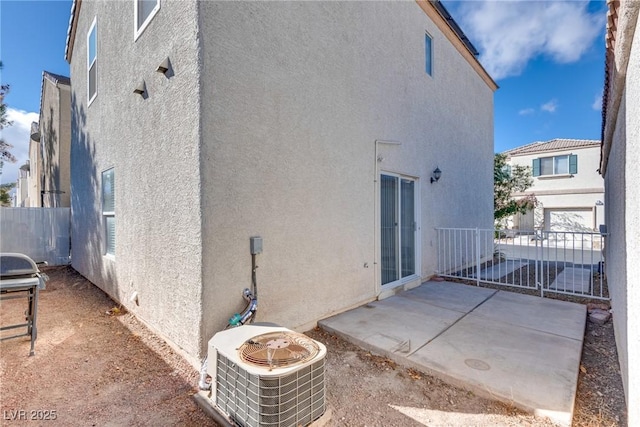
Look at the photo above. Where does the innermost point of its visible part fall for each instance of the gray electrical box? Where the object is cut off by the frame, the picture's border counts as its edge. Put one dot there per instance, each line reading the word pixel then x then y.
pixel 255 245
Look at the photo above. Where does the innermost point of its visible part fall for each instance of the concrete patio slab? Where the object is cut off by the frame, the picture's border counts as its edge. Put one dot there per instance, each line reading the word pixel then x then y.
pixel 393 325
pixel 575 280
pixel 533 370
pixel 516 348
pixel 453 296
pixel 500 270
pixel 560 317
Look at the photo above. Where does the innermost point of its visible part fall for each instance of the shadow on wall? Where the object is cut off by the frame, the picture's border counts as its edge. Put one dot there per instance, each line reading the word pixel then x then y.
pixel 567 221
pixel 87 236
pixel 51 167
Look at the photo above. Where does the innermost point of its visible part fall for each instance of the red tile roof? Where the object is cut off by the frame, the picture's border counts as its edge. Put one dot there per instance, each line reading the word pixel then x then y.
pixel 552 145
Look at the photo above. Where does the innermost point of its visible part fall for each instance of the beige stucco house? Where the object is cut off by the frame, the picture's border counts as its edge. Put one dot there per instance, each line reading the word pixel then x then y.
pixel 21 194
pixel 566 183
pixel 619 167
pixel 314 125
pixel 35 167
pixel 52 168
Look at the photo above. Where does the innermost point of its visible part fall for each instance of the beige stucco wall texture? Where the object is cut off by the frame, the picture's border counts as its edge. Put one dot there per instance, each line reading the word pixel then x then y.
pixel 579 191
pixel 294 97
pixel 632 229
pixel 35 166
pixel 268 128
pixel 622 207
pixel 55 137
pixel 153 145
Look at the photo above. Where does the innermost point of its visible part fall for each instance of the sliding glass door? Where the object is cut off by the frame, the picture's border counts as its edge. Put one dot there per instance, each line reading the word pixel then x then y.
pixel 398 228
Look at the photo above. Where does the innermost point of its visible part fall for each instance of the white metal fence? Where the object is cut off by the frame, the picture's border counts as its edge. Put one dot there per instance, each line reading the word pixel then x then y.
pixel 547 261
pixel 40 233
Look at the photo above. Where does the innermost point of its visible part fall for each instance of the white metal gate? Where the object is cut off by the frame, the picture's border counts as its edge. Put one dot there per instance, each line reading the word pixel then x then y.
pixel 43 234
pixel 548 261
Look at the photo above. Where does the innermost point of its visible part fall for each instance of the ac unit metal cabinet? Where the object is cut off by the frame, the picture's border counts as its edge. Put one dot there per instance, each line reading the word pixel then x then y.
pixel 286 389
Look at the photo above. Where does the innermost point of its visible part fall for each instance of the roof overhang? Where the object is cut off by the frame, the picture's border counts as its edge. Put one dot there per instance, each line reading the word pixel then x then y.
pixel 621 24
pixel 71 31
pixel 433 8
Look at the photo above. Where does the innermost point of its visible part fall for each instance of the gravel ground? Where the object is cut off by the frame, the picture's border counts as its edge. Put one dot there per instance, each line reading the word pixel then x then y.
pixel 96 366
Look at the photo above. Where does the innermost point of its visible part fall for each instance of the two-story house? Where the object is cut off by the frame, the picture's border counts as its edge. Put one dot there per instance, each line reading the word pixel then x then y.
pixel 566 183
pixel 54 136
pixel 317 126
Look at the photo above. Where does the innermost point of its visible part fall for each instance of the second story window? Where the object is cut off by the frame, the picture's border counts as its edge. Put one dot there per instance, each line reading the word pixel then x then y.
pixel 428 54
pixel 556 165
pixel 92 61
pixel 145 10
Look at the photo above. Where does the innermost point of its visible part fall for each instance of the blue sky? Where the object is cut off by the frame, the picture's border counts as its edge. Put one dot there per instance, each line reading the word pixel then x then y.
pixel 546 56
pixel 32 39
pixel 548 59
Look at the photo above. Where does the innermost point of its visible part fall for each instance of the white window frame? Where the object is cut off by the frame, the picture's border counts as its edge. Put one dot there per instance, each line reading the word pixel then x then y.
pixel 553 162
pixel 430 53
pixel 108 214
pixel 137 31
pixel 94 27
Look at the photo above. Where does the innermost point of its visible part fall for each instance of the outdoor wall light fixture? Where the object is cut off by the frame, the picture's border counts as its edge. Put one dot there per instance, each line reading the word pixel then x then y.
pixel 141 89
pixel 435 177
pixel 165 68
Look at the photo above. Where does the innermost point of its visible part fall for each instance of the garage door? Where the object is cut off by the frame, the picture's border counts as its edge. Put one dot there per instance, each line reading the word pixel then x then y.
pixel 569 219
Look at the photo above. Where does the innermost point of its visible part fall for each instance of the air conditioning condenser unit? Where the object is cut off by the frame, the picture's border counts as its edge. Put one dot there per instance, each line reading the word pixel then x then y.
pixel 267 376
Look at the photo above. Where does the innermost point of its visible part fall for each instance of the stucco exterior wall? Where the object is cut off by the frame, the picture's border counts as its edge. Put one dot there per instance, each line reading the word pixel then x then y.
pixel 622 178
pixel 55 140
pixel 35 168
pixel 583 190
pixel 152 144
pixel 294 97
pixel 616 254
pixel 22 190
pixel 586 178
pixel 632 230
pixel 64 156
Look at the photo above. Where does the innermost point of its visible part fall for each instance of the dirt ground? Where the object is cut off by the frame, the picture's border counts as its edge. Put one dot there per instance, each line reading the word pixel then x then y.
pixel 94 367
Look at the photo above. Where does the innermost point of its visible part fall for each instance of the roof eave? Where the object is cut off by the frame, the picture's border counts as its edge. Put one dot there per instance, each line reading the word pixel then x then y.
pixel 539 147
pixel 621 24
pixel 444 24
pixel 71 31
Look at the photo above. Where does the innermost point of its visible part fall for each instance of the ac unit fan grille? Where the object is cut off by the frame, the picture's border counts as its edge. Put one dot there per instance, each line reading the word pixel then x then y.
pixel 292 400
pixel 278 349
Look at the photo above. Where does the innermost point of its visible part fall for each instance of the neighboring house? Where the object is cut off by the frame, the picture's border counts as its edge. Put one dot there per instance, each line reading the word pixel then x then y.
pixel 55 141
pixel 22 187
pixel 35 167
pixel 566 183
pixel 619 167
pixel 315 125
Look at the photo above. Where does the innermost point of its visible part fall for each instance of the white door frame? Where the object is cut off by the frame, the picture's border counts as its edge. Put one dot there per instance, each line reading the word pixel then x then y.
pixel 417 235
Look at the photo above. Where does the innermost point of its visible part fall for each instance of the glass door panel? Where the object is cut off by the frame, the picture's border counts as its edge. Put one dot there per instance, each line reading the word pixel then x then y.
pixel 407 227
pixel 398 228
pixel 389 228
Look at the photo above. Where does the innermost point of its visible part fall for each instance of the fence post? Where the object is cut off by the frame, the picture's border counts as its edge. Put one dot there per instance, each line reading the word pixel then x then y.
pixel 540 262
pixel 477 235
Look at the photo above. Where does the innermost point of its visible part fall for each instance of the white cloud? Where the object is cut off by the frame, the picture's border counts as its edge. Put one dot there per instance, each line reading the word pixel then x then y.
pixel 597 102
pixel 18 136
pixel 526 111
pixel 550 107
pixel 511 33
